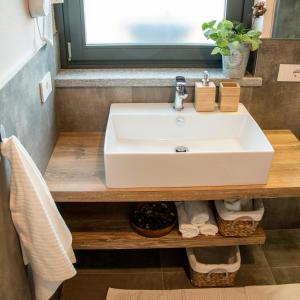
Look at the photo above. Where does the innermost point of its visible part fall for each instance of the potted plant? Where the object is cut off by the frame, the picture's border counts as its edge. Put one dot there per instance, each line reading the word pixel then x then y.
pixel 234 42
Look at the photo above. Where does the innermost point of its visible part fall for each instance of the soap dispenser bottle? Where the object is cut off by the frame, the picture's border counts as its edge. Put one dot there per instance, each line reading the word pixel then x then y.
pixel 205 94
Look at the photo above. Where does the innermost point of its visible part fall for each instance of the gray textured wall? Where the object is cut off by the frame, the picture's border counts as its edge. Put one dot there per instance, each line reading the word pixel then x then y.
pixel 275 105
pixel 23 115
pixel 287 19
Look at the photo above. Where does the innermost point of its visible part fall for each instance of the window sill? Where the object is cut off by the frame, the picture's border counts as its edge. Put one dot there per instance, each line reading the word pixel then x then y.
pixel 142 77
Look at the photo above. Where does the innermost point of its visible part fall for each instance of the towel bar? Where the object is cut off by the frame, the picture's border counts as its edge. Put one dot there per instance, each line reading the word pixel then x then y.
pixel 2 133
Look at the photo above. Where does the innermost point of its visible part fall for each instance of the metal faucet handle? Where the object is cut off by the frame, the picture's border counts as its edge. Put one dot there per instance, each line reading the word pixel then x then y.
pixel 181 89
pixel 205 79
pixel 181 85
pixel 180 80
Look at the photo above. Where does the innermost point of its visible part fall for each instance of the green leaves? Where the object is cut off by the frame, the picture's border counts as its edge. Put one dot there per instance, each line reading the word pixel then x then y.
pixel 222 42
pixel 225 25
pixel 255 43
pixel 254 33
pixel 225 51
pixel 208 25
pixel 236 44
pixel 215 51
pixel 228 34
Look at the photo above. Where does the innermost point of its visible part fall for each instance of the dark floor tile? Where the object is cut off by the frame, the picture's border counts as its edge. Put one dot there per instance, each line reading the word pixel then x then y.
pixel 282 248
pixel 119 261
pixel 254 276
pixel 173 260
pixel 283 236
pixel 286 275
pixel 286 210
pixel 95 287
pixel 253 256
pixel 176 280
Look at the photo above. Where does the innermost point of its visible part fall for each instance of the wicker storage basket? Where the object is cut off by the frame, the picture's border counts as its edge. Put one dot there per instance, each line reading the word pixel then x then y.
pixel 239 223
pixel 214 266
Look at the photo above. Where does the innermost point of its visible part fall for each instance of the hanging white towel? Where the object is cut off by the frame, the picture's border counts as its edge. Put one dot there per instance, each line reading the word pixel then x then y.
pixel 187 229
pixel 197 212
pixel 45 239
pixel 210 227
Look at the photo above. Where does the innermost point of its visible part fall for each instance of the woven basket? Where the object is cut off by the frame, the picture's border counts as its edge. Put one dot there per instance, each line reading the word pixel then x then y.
pixel 214 266
pixel 243 226
pixel 212 279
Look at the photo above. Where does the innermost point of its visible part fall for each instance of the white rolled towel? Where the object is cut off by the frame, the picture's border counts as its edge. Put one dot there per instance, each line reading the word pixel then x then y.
pixel 247 204
pixel 185 227
pixel 243 204
pixel 197 212
pixel 210 227
pixel 233 204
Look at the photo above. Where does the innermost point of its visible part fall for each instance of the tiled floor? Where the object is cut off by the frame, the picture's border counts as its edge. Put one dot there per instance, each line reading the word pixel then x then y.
pixel 277 262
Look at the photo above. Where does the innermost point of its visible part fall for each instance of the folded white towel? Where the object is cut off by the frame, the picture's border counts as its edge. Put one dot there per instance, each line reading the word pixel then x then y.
pixel 246 204
pixel 233 205
pixel 197 212
pixel 46 241
pixel 243 204
pixel 185 227
pixel 210 227
pixel 256 214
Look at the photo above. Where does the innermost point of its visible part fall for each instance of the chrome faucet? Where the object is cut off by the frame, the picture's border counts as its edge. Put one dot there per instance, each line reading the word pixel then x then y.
pixel 180 93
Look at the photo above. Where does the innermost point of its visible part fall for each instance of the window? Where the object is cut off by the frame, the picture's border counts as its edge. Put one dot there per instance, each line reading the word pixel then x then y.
pixel 135 32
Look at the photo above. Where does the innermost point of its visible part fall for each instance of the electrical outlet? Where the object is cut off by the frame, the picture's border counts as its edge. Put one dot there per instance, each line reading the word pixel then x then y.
pixel 289 73
pixel 45 87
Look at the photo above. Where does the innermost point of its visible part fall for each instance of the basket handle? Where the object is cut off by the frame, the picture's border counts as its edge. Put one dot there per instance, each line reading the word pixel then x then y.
pixel 225 272
pixel 243 218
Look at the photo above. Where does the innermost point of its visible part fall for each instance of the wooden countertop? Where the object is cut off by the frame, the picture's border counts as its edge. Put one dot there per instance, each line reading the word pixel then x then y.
pixel 76 174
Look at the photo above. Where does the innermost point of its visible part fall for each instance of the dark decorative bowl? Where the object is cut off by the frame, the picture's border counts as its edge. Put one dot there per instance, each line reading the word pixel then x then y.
pixel 153 219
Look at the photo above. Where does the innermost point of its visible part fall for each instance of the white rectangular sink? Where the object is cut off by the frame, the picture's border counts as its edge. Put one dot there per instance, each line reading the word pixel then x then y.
pixel 223 148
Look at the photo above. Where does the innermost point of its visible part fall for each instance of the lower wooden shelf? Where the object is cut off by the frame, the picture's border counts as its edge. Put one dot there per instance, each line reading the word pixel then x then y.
pixel 107 227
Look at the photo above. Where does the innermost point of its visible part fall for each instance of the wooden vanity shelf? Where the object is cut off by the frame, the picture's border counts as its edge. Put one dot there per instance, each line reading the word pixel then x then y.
pixel 107 227
pixel 76 174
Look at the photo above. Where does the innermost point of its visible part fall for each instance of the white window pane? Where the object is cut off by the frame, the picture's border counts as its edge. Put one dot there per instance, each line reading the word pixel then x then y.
pixel 149 22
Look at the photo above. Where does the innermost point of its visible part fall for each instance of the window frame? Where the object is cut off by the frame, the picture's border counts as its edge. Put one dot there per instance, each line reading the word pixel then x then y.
pixel 70 21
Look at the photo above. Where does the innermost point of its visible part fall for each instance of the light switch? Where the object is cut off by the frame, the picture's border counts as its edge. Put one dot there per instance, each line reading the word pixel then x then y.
pixel 45 87
pixel 289 73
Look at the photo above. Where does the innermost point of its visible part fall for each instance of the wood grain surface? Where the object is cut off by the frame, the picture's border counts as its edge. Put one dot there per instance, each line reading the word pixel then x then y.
pixel 76 174
pixel 106 226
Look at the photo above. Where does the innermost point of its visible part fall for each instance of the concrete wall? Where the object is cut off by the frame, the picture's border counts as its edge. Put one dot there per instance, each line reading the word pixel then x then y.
pixel 287 20
pixel 23 115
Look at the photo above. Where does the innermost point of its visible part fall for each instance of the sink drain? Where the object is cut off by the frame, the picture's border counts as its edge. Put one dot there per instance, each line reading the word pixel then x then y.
pixel 181 149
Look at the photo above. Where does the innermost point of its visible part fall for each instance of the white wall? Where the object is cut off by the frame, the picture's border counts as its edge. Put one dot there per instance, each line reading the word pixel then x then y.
pixel 19 37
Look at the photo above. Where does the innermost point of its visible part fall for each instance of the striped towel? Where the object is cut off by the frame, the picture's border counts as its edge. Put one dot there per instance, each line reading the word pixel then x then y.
pixel 46 241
